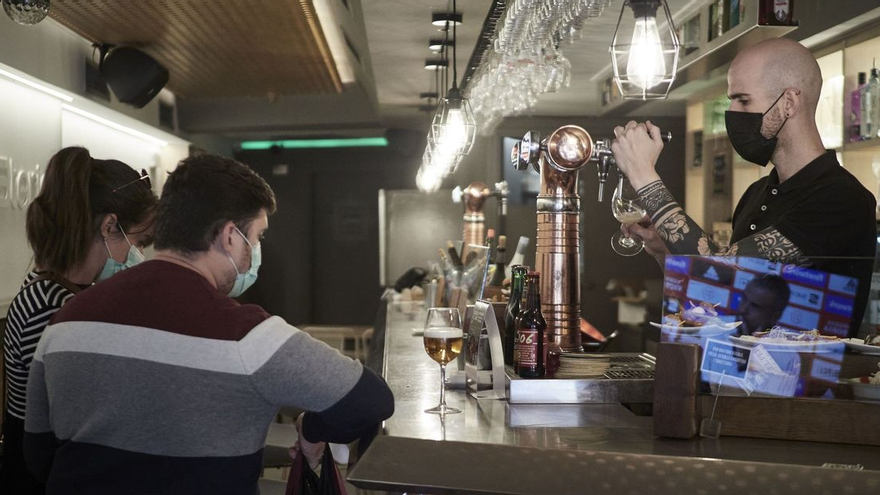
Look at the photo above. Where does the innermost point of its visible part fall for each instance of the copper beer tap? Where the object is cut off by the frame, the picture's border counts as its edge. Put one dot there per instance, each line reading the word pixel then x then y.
pixel 558 159
pixel 474 197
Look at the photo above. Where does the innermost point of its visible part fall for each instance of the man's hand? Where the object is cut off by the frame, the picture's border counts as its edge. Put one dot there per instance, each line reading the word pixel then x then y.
pixel 636 150
pixel 313 451
pixel 654 245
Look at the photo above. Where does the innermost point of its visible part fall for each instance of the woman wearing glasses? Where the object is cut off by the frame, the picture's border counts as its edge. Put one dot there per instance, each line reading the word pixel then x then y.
pixel 91 220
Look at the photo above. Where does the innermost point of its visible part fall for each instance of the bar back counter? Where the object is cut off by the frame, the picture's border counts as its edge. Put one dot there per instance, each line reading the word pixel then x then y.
pixel 498 447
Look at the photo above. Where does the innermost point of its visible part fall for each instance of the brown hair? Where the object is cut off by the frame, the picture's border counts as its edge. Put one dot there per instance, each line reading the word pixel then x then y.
pixel 77 192
pixel 201 195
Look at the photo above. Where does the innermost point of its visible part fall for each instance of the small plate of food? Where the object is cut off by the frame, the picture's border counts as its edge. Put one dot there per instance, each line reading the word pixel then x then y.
pixel 700 319
pixel 866 387
pixel 783 339
pixel 870 345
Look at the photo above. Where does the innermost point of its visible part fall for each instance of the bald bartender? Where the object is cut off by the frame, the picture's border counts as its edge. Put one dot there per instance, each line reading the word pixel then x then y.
pixel 808 207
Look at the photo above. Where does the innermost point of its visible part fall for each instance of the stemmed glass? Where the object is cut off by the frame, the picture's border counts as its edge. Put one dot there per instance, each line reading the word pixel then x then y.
pixel 443 342
pixel 626 209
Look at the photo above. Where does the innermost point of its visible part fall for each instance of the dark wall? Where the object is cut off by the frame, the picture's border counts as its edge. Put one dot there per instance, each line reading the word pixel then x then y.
pixel 321 254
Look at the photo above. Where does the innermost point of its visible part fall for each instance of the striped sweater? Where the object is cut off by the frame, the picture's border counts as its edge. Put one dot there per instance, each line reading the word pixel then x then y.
pixel 155 382
pixel 26 319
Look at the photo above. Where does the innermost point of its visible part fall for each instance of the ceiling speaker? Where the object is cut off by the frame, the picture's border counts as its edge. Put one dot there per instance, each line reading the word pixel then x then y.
pixel 133 76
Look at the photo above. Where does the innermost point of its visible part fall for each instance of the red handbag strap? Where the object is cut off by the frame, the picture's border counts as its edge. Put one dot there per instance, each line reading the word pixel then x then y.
pixel 330 479
pixel 294 479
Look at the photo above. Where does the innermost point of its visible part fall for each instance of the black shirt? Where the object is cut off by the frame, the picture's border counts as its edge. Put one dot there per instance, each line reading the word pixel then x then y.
pixel 825 211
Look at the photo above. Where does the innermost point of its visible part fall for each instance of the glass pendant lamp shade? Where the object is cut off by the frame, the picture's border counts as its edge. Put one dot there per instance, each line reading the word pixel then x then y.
pixel 440 160
pixel 645 55
pixel 427 180
pixel 453 128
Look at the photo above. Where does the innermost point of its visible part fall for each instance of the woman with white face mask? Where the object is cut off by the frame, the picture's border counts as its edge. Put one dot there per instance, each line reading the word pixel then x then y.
pixel 91 220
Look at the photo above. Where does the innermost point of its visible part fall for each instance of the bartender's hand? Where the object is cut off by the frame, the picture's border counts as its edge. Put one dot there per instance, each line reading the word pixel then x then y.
pixel 313 451
pixel 654 245
pixel 636 150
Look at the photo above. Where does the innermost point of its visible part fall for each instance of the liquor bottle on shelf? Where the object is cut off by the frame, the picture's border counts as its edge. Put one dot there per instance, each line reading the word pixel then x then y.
pixel 874 84
pixel 514 304
pixel 855 113
pixel 531 332
pixel 776 13
pixel 869 105
pixel 716 19
pixel 735 13
pixel 519 255
pixel 500 253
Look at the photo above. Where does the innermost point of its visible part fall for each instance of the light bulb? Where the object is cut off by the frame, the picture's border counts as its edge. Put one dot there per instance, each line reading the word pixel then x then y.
pixel 428 180
pixel 454 135
pixel 439 161
pixel 645 66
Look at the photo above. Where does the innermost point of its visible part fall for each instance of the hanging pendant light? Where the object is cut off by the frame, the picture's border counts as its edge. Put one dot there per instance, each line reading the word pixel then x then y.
pixel 427 180
pixel 453 128
pixel 645 67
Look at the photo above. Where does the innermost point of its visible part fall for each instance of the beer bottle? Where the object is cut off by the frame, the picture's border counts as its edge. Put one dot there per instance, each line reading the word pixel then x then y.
pixel 531 332
pixel 514 304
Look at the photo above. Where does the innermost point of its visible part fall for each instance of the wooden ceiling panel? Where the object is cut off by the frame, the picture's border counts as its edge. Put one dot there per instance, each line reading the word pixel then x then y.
pixel 218 48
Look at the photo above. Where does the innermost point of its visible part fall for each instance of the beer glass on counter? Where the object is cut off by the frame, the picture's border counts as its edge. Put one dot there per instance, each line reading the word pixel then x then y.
pixel 443 339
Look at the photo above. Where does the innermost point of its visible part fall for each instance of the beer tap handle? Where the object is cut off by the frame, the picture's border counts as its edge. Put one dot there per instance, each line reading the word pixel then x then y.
pixel 604 166
pixel 502 190
pixel 605 159
pixel 457 194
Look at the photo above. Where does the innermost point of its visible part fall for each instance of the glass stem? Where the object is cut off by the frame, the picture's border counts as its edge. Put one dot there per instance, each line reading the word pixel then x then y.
pixel 443 386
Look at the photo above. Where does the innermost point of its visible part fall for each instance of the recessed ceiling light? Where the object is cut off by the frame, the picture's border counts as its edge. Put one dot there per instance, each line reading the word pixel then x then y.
pixel 437 44
pixel 441 19
pixel 435 63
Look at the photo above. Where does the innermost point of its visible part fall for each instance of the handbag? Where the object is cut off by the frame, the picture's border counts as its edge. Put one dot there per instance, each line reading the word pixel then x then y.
pixel 303 481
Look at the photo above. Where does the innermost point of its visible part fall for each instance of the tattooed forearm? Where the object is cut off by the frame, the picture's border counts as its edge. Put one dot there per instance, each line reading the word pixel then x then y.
pixel 772 245
pixel 678 231
pixel 656 198
pixel 683 236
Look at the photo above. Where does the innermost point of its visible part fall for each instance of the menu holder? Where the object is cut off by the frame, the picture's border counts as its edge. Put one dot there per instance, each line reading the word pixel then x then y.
pixel 483 321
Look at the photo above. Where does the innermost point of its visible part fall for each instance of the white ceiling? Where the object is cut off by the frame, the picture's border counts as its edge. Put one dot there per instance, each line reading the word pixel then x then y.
pixel 398 33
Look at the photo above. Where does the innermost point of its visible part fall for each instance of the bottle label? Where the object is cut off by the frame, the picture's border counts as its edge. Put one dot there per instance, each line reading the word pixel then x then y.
pixel 780 9
pixel 527 347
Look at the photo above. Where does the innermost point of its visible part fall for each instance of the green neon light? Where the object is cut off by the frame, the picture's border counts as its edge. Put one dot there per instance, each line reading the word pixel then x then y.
pixel 315 143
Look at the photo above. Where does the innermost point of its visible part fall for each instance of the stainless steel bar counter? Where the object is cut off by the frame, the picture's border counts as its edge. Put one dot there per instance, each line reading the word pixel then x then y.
pixel 496 447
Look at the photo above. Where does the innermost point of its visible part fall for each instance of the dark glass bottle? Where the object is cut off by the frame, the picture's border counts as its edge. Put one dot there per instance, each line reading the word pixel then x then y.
pixel 531 332
pixel 776 13
pixel 500 254
pixel 514 304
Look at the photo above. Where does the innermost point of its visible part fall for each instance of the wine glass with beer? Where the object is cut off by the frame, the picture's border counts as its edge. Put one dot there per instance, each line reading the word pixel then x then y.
pixel 626 209
pixel 443 341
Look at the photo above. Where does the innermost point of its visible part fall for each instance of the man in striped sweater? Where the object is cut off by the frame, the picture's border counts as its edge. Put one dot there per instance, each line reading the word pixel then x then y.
pixel 157 381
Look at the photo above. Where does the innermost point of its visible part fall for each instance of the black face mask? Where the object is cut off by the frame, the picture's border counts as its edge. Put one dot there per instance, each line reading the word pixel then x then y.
pixel 744 131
